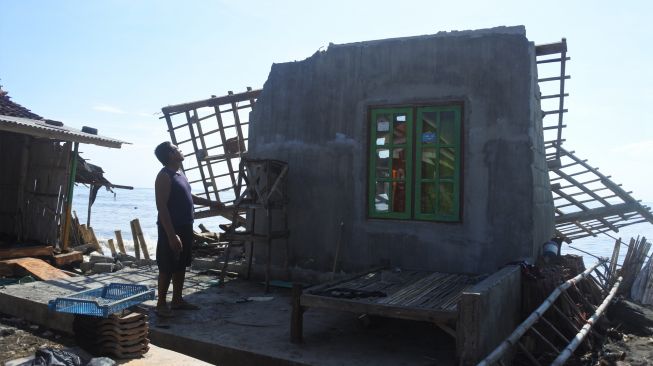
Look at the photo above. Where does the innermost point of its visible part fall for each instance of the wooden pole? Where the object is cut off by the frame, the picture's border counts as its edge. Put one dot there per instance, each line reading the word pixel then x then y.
pixel 69 197
pixel 112 248
pixel 121 245
pixel 90 202
pixel 137 251
pixel 94 241
pixel 141 239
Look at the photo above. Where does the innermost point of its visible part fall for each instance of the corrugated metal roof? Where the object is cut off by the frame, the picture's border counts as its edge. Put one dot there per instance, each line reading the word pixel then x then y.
pixel 44 129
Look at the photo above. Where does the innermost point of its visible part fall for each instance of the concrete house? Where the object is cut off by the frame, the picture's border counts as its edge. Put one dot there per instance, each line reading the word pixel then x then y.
pixel 429 149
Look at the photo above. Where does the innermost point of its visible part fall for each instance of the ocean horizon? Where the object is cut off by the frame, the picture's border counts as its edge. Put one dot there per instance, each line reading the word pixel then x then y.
pixel 114 212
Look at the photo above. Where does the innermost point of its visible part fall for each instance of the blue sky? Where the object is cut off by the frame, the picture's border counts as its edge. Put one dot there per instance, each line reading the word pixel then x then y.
pixel 114 64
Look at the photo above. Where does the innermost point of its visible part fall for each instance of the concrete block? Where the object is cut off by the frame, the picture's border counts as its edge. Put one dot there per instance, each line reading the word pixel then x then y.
pixel 125 257
pixel 100 259
pixel 204 263
pixel 86 266
pixel 487 314
pixel 103 267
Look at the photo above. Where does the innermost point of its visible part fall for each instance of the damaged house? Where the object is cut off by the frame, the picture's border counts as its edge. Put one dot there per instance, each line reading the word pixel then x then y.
pixel 40 165
pixel 423 164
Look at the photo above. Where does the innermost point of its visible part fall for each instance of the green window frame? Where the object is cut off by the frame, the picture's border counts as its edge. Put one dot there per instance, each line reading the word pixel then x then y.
pixel 414 163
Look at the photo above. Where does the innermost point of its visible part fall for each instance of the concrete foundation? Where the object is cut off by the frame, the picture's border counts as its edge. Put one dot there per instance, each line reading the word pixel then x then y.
pixel 488 313
pixel 229 330
pixel 314 114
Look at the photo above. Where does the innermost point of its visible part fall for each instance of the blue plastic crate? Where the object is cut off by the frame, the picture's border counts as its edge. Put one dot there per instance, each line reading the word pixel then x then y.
pixel 103 301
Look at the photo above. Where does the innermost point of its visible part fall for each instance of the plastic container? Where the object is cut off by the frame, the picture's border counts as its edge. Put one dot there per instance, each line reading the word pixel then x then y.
pixel 103 301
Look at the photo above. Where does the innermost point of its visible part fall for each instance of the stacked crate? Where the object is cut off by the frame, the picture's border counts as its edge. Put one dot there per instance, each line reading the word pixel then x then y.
pixel 118 336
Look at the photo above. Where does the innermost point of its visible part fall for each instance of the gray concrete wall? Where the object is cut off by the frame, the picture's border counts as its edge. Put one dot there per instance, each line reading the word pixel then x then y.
pixel 314 115
pixel 487 314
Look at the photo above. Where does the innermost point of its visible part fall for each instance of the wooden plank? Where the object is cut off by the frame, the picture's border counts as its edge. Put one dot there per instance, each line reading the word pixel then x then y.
pixel 94 241
pixel 31 251
pixel 551 48
pixel 399 312
pixel 64 259
pixel 180 108
pixel 36 267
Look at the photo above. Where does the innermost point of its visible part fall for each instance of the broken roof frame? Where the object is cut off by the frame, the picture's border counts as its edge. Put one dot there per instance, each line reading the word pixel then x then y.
pixel 587 203
pixel 214 166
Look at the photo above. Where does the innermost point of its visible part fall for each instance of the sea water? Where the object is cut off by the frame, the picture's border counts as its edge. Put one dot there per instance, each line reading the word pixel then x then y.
pixel 112 212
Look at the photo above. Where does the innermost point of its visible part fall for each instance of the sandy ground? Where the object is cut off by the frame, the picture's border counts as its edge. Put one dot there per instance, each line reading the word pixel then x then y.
pixel 19 338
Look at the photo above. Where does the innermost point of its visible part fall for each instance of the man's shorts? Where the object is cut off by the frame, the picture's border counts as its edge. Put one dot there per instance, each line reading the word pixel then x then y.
pixel 166 259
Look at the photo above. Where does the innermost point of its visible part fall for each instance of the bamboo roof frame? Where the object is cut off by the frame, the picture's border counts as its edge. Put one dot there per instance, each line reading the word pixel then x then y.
pixel 587 203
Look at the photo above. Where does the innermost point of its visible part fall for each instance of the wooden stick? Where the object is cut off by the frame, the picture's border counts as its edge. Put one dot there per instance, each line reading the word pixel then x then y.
pixel 137 251
pixel 121 245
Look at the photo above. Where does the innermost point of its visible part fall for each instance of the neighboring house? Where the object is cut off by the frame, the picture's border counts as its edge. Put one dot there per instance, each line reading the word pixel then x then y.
pixel 35 160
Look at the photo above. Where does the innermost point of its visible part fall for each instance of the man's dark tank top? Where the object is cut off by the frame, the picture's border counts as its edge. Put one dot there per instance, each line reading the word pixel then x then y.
pixel 180 201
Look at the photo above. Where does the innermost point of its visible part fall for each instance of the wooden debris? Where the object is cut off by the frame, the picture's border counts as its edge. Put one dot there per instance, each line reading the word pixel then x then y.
pixel 112 248
pixel 33 266
pixel 137 250
pixel 29 251
pixel 64 259
pixel 121 245
pixel 94 241
pixel 141 239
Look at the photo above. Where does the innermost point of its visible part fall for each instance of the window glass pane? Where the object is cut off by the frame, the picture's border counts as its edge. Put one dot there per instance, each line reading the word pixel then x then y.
pixel 428 163
pixel 428 198
pixel 446 198
pixel 382 138
pixel 383 163
pixel 399 163
pixel 382 197
pixel 398 197
pixel 447 162
pixel 429 129
pixel 447 128
pixel 383 123
pixel 399 129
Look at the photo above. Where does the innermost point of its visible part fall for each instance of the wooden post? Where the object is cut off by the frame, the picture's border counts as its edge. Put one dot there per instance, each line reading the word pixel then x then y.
pixel 69 197
pixel 121 245
pixel 112 248
pixel 90 202
pixel 297 317
pixel 94 241
pixel 137 251
pixel 141 238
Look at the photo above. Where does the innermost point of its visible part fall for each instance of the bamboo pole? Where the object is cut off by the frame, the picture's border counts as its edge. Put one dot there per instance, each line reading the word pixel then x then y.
pixel 121 245
pixel 141 238
pixel 535 315
pixel 575 342
pixel 137 250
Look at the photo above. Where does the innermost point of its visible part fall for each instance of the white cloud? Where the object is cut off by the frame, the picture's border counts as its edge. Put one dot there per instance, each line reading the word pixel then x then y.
pixel 636 148
pixel 108 109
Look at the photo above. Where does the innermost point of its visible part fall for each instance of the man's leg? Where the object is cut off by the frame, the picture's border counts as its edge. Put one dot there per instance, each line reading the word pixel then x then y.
pixel 164 284
pixel 177 286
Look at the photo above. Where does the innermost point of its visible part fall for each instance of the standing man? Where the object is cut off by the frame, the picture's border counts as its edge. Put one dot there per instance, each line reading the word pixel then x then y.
pixel 174 203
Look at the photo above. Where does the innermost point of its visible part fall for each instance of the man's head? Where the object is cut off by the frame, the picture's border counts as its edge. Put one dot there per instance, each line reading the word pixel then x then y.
pixel 168 153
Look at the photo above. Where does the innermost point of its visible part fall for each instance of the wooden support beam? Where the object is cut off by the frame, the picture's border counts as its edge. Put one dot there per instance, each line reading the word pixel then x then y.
pixel 596 213
pixel 121 244
pixel 141 239
pixel 26 251
pixel 212 102
pixel 33 266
